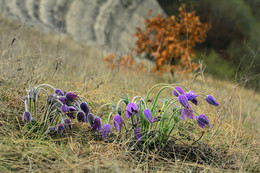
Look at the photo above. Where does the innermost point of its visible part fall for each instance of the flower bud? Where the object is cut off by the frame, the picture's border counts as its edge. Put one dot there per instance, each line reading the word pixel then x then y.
pixel 211 100
pixel 67 124
pixel 105 131
pixel 27 116
pixel 62 100
pixel 84 107
pixel 203 121
pixel 59 92
pixel 192 97
pixel 184 101
pixel 65 109
pixel 81 117
pixel 91 119
pixel 118 122
pixel 97 124
pixel 131 109
pixel 52 129
pixel 137 132
pixel 179 89
pixel 71 96
pixel 148 115
pixel 60 128
pixel 186 112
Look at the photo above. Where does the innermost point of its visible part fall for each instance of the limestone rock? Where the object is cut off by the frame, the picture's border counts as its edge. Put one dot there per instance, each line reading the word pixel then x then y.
pixel 109 23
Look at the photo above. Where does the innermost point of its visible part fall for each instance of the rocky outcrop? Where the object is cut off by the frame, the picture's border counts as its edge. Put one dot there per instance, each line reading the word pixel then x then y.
pixel 108 23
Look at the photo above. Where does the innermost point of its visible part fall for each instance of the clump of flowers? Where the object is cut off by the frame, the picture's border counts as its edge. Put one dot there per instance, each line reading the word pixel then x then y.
pixel 142 117
pixel 147 119
pixel 60 110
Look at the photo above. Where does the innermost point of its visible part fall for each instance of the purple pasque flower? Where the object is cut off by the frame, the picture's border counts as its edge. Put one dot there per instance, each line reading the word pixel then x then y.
pixel 81 117
pixel 186 112
pixel 65 109
pixel 90 119
pixel 131 109
pixel 118 122
pixel 192 97
pixel 97 124
pixel 62 100
pixel 179 89
pixel 71 96
pixel 211 100
pixel 27 116
pixel 52 129
pixel 59 92
pixel 72 112
pixel 148 115
pixel 60 128
pixel 84 107
pixel 67 124
pixel 203 121
pixel 72 109
pixel 137 132
pixel 184 101
pixel 105 131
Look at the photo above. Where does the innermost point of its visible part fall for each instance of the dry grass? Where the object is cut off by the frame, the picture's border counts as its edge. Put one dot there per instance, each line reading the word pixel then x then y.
pixel 36 57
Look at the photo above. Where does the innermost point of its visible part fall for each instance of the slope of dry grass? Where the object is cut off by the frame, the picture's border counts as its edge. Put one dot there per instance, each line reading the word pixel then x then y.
pixel 34 58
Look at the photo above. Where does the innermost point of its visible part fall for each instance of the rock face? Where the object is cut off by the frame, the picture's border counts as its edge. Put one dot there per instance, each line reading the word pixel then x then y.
pixel 109 23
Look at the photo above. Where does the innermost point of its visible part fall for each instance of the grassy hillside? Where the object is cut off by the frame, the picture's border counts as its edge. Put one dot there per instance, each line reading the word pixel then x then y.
pixel 29 57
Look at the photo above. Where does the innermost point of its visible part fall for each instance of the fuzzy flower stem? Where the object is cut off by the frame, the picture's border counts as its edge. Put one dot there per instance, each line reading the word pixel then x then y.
pixel 167 107
pixel 45 120
pixel 136 97
pixel 46 113
pixel 85 100
pixel 45 85
pixel 163 84
pixel 35 110
pixel 25 105
pixel 158 94
pixel 43 90
pixel 141 99
pixel 194 110
pixel 30 104
pixel 117 105
pixel 201 94
pixel 99 109
pixel 110 115
pixel 172 126
pixel 170 103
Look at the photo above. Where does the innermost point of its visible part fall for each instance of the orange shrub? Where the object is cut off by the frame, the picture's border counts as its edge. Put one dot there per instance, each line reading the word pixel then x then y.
pixel 125 63
pixel 170 40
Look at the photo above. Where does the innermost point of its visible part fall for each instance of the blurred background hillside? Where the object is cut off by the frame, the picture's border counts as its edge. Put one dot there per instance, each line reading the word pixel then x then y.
pixel 234 35
pixel 231 44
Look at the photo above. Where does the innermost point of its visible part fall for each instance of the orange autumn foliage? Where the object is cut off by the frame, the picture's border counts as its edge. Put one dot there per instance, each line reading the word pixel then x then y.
pixel 125 63
pixel 170 40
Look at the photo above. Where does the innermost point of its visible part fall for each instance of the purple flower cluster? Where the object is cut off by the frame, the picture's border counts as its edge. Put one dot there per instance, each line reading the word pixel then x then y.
pixel 187 111
pixel 69 107
pixel 73 108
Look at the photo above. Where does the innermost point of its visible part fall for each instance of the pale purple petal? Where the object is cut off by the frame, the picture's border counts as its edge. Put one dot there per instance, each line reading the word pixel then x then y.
pixel 211 100
pixel 148 115
pixel 105 131
pixel 203 121
pixel 118 122
pixel 137 132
